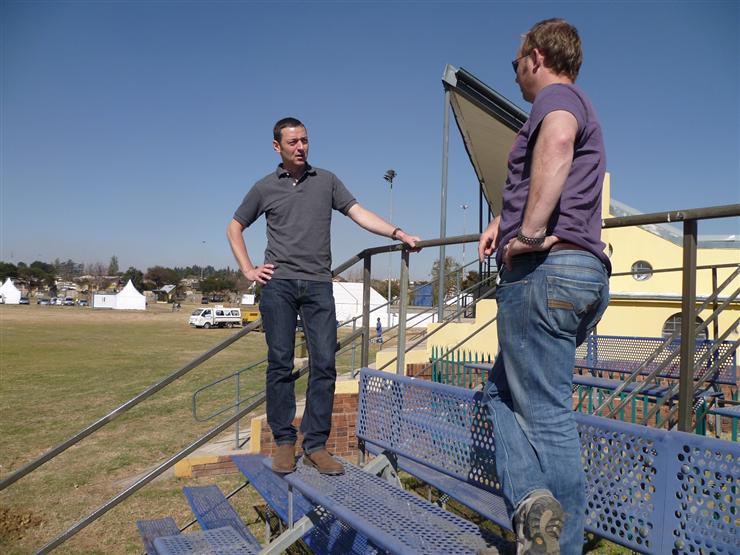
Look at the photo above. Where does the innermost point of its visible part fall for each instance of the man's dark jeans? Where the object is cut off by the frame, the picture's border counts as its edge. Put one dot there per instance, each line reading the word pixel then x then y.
pixel 282 301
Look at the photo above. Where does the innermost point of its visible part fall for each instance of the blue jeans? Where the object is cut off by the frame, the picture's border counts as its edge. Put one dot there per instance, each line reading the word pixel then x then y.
pixel 547 304
pixel 282 301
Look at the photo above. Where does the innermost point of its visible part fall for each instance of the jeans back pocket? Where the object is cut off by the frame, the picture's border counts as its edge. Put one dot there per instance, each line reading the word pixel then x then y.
pixel 570 302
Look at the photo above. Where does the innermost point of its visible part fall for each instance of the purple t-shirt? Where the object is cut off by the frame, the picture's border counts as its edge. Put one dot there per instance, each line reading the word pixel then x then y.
pixel 577 216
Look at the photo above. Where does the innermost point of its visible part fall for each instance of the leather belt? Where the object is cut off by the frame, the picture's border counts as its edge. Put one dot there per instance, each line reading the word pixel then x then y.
pixel 564 246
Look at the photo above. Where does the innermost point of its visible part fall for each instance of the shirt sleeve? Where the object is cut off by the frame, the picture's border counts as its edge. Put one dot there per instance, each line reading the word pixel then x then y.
pixel 551 99
pixel 342 199
pixel 250 209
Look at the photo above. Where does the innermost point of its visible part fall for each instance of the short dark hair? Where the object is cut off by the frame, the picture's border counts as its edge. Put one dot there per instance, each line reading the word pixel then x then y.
pixel 559 43
pixel 277 131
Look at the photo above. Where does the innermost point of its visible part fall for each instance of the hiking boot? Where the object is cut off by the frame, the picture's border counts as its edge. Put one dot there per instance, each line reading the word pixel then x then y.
pixel 538 523
pixel 322 461
pixel 283 462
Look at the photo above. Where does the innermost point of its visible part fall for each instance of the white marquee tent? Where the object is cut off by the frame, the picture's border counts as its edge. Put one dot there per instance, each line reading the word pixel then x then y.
pixel 9 293
pixel 130 299
pixel 348 303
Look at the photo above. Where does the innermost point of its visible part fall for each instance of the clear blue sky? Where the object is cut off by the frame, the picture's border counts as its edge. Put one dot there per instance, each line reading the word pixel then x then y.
pixel 135 128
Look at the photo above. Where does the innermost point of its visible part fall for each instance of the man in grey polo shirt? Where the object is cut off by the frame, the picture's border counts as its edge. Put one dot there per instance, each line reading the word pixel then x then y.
pixel 297 200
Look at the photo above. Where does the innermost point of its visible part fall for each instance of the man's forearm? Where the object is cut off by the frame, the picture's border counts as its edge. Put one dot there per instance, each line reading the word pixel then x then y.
pixel 370 221
pixel 239 247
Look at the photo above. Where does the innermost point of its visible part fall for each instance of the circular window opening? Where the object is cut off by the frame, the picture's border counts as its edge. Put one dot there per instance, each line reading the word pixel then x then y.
pixel 673 324
pixel 642 270
pixel 609 250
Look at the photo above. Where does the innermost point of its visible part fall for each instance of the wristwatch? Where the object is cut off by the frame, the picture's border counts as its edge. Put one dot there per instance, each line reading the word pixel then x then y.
pixel 531 241
pixel 393 235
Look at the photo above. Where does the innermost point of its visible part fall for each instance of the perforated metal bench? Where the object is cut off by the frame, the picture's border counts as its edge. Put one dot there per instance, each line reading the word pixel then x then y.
pixel 732 412
pixel 328 535
pixel 650 490
pixel 160 538
pixel 626 355
pixel 223 532
pixel 394 519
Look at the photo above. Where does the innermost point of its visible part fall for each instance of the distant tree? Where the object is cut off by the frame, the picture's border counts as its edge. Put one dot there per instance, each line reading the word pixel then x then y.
pixel 135 275
pixel 44 267
pixel 217 284
pixel 381 286
pixel 68 270
pixel 470 279
pixel 113 266
pixel 159 275
pixel 450 267
pixel 36 276
pixel 8 270
pixel 97 271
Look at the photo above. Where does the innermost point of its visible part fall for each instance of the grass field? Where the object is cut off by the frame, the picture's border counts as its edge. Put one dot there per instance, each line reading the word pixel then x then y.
pixel 62 368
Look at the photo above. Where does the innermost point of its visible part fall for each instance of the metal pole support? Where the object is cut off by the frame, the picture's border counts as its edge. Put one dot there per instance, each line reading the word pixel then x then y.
pixel 365 351
pixel 402 309
pixel 688 328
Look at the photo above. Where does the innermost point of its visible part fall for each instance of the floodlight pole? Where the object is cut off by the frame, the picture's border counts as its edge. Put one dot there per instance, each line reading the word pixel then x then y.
pixel 389 177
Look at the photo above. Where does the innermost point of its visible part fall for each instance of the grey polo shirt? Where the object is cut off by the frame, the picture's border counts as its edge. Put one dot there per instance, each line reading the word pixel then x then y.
pixel 298 220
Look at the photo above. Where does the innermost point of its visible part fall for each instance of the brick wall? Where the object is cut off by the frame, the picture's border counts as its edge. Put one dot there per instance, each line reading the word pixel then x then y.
pixel 419 371
pixel 342 440
pixel 223 465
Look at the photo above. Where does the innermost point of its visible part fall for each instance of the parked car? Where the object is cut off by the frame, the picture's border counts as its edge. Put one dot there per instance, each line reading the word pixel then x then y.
pixel 69 301
pixel 82 302
pixel 24 300
pixel 204 300
pixel 217 317
pixel 43 301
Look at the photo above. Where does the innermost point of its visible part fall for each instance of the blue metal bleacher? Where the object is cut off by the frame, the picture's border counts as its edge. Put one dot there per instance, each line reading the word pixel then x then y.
pixel 650 490
pixel 329 534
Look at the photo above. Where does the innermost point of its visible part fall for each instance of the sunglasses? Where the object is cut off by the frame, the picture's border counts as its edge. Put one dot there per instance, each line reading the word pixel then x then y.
pixel 515 63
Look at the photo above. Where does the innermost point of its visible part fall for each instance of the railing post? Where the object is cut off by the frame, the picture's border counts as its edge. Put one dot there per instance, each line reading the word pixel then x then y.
pixel 402 305
pixel 365 351
pixel 236 406
pixel 688 327
pixel 715 325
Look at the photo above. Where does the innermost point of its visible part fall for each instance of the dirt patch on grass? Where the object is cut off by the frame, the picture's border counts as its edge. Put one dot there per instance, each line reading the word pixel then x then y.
pixel 13 524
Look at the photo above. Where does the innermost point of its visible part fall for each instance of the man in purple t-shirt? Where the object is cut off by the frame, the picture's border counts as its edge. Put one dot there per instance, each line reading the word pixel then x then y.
pixel 553 289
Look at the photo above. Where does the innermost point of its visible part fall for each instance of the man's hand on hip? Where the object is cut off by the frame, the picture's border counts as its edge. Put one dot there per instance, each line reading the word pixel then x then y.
pixel 515 247
pixel 260 274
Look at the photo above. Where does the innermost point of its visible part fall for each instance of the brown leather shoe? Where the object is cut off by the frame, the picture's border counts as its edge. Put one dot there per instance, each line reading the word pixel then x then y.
pixel 283 462
pixel 322 461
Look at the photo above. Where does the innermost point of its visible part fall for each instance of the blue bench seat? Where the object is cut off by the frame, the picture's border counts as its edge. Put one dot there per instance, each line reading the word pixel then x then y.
pixel 213 510
pixel 329 535
pixel 396 520
pixel 487 504
pixel 163 537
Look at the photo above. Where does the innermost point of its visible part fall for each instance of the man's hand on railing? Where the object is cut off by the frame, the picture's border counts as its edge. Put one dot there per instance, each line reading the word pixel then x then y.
pixel 410 240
